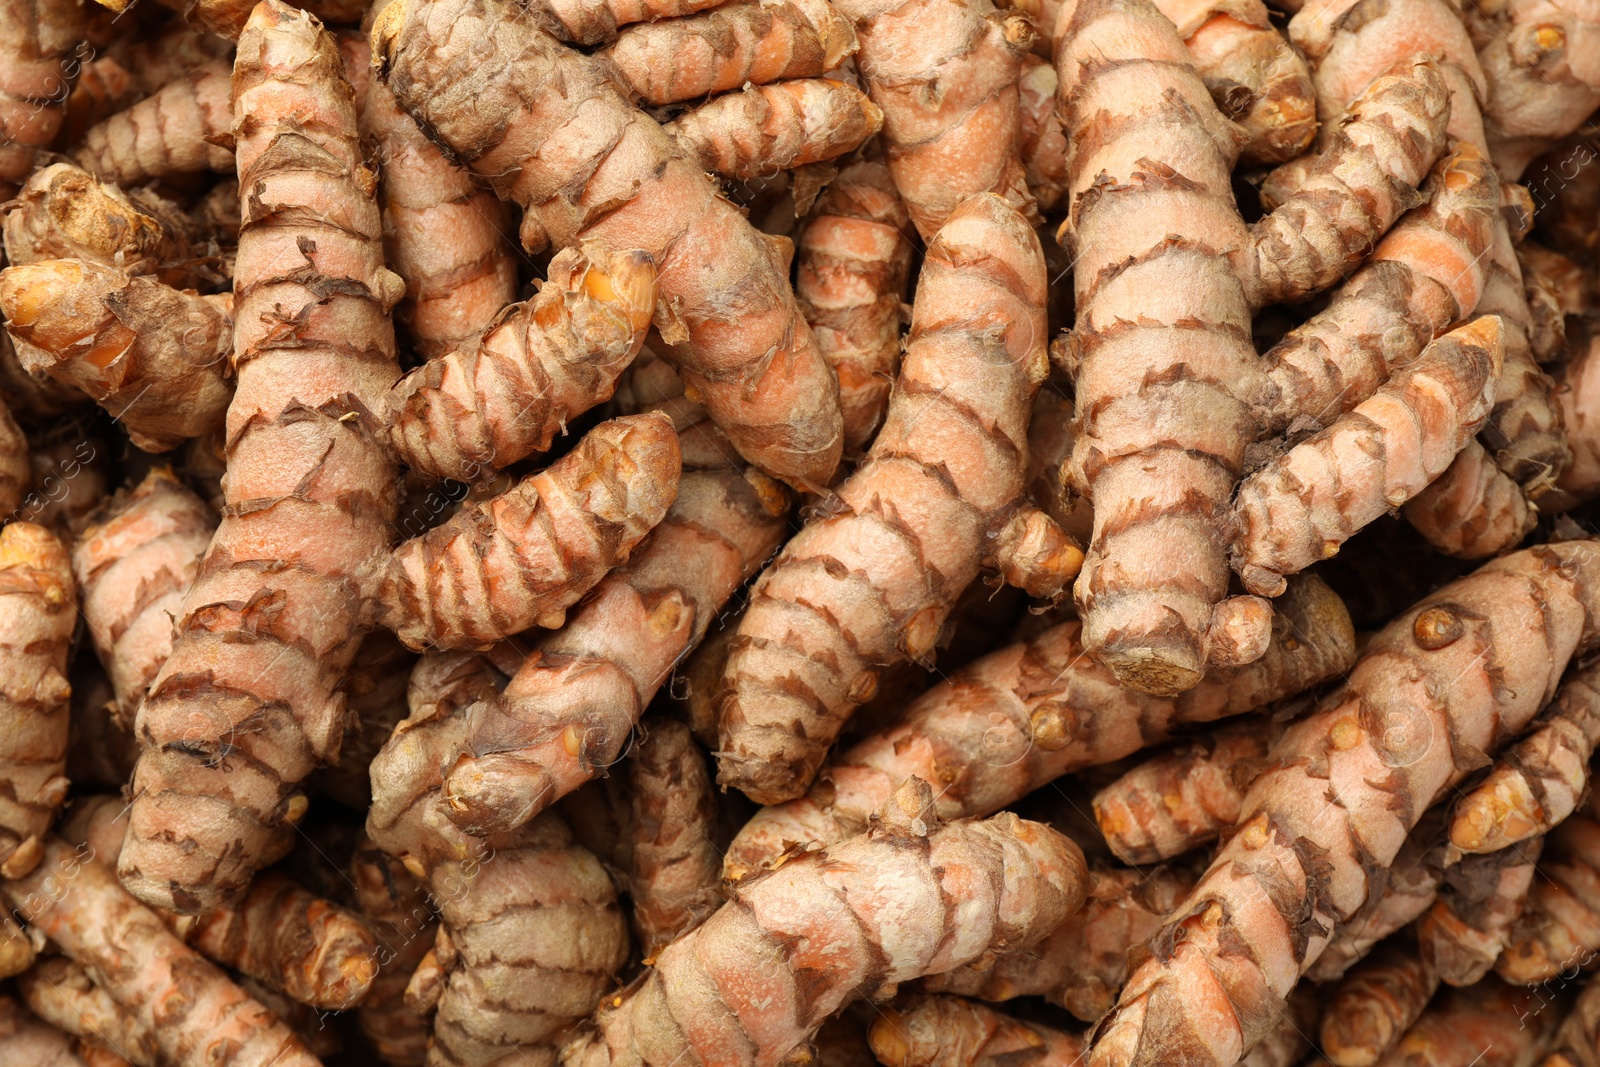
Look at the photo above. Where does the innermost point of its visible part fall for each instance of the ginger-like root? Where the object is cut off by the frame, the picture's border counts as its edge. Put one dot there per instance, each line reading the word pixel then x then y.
pixel 63 994
pixel 1175 801
pixel 490 403
pixel 1027 714
pixel 1255 76
pixel 737 44
pixel 923 1031
pixel 872 583
pixel 945 76
pixel 1560 925
pixel 1082 963
pixel 766 128
pixel 64 212
pixel 184 127
pixel 1467 928
pixel 855 261
pixel 153 356
pixel 1474 509
pixel 1489 1024
pixel 38 612
pixel 676 866
pixel 1539 781
pixel 133 564
pixel 197 1014
pixel 1302 506
pixel 534 889
pixel 589 22
pixel 443 232
pixel 104 87
pixel 267 645
pixel 1040 138
pixel 1538 61
pixel 524 557
pixel 795 944
pixel 1375 1004
pixel 1458 674
pixel 588 167
pixel 41 50
pixel 396 903
pixel 571 707
pixel 37 1043
pixel 16 469
pixel 375 694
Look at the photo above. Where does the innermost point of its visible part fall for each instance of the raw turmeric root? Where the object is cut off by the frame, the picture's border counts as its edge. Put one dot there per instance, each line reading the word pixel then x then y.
pixel 784 928
pixel 1459 673
pixel 766 128
pixel 1539 781
pixel 1302 506
pixel 34 1042
pixel 1173 802
pixel 676 866
pixel 184 127
pixel 1468 927
pixel 1487 1025
pixel 571 707
pixel 197 1014
pixel 1040 138
pixel 247 703
pixel 951 1032
pixel 522 558
pixel 1538 62
pixel 855 261
pixel 730 46
pixel 155 357
pixel 1474 509
pixel 40 57
pixel 37 616
pixel 490 403
pixel 133 564
pixel 62 993
pixel 396 903
pixel 443 233
pixel 945 77
pixel 1560 925
pixel 727 308
pixel 1027 714
pixel 375 695
pixel 1375 1004
pixel 533 889
pixel 587 22
pixel 873 584
pixel 64 212
pixel 1082 963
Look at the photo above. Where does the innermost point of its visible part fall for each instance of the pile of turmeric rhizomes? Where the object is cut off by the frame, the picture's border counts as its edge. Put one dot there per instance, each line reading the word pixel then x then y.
pixel 494 571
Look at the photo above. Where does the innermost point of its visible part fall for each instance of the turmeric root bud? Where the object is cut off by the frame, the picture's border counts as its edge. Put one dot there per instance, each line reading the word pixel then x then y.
pixel 506 395
pixel 767 128
pixel 524 557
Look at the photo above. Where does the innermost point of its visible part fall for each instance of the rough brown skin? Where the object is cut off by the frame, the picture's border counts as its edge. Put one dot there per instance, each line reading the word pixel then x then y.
pixel 1560 925
pixel 62 993
pixel 36 1043
pixel 1255 77
pixel 1183 798
pixel 921 1031
pixel 1302 506
pixel 1468 927
pixel 1538 59
pixel 854 265
pixel 182 128
pixel 766 128
pixel 533 888
pixel 730 46
pixel 133 564
pixel 504 396
pixel 443 232
pixel 1029 713
pixel 1453 678
pixel 945 76
pixel 1081 964
pixel 153 356
pixel 375 694
pixel 396 904
pixel 570 709
pixel 248 701
pixel 1474 509
pixel 1487 1025
pixel 676 865
pixel 37 616
pixel 16 470
pixel 199 1016
pixel 64 212
pixel 1375 1004
pixel 530 115
pixel 793 945
pixel 522 558
pixel 41 55
pixel 1539 781
pixel 872 583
